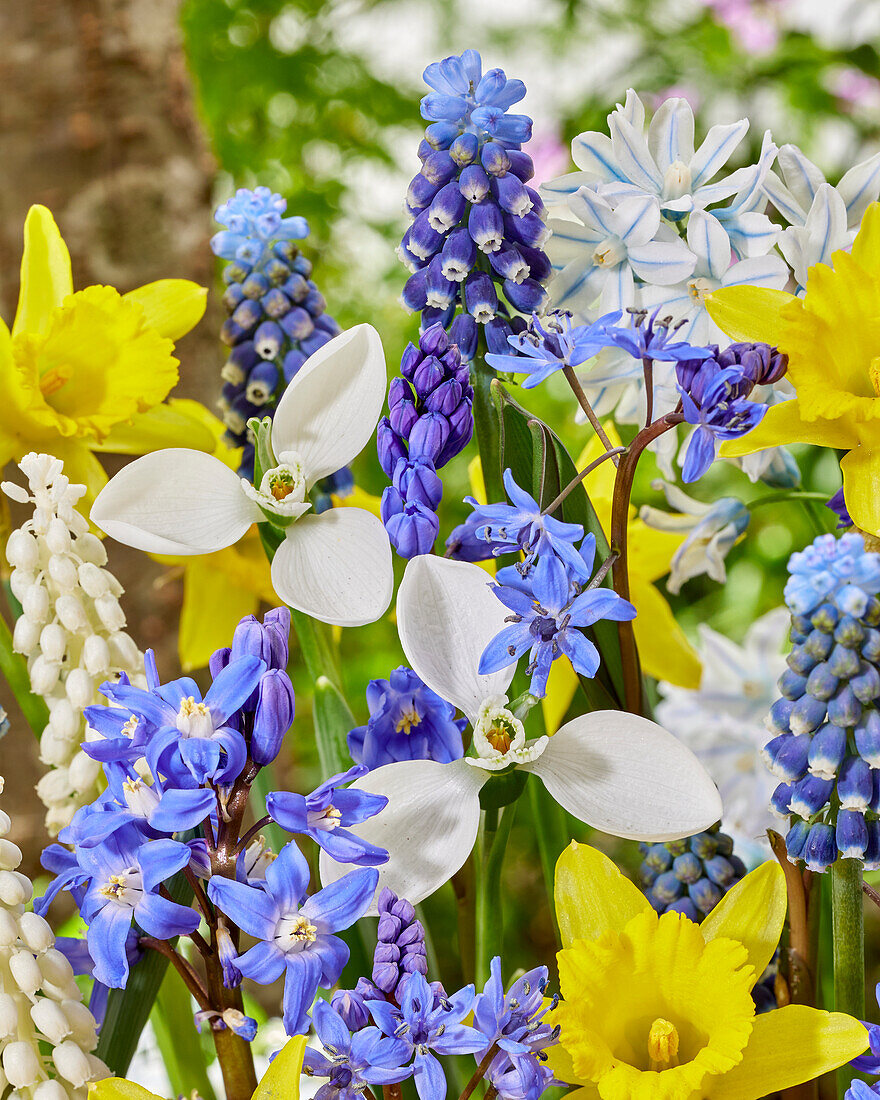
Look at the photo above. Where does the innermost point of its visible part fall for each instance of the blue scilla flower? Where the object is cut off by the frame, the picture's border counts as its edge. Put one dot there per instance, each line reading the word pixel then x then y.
pixel 837 504
pixel 408 721
pixel 429 421
pixel 551 608
pixel 543 349
pixel 514 1020
pixel 352 1062
pixel 825 744
pixel 650 337
pixel 858 1090
pixel 115 882
pixel 295 932
pixel 326 815
pixel 690 876
pixel 429 1025
pixel 276 314
pixel 192 740
pixel 475 246
pixel 869 1064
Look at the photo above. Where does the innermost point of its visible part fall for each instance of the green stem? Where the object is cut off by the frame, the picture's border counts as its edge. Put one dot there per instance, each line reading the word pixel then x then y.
pixel 849 945
pixel 486 426
pixel 14 669
pixel 464 886
pixel 316 647
pixel 490 909
pixel 549 828
pixel 785 495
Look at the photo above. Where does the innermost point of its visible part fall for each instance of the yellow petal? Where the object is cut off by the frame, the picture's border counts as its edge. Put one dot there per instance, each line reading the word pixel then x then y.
pixel 562 683
pixel 212 607
pixel 281 1079
pixel 171 306
pixel 592 895
pixel 664 650
pixel 651 551
pixel 166 425
pixel 46 279
pixel 753 913
pixel 749 313
pixel 359 498
pixel 117 1088
pixel 789 1046
pixel 866 246
pixel 861 470
pixel 476 479
pixel 783 424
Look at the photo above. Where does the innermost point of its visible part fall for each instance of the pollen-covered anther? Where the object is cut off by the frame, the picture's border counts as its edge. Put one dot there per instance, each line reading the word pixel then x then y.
pixel 663 1045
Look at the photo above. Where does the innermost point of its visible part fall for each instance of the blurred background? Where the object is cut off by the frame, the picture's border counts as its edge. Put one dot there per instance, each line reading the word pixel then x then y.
pixel 132 119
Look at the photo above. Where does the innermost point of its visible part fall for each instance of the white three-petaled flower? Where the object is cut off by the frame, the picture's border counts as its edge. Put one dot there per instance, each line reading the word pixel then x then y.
pixel 335 566
pixel 617 772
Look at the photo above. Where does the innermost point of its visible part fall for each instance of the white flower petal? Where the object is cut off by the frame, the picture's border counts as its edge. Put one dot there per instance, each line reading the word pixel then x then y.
pixel 446 616
pixel 633 109
pixel 175 501
pixel 716 150
pixel 671 133
pixel 592 153
pixel 633 156
pixel 826 225
pixel 783 199
pixel 629 777
pixel 860 187
pixel 769 271
pixel 336 567
pixel 593 211
pixel 662 263
pixel 802 177
pixel 577 286
pixel 556 191
pixel 570 241
pixel 708 239
pixel 329 411
pixel 428 827
pixel 637 219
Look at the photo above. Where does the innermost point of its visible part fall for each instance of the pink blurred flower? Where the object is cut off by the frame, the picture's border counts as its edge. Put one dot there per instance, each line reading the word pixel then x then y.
pixel 676 91
pixel 754 22
pixel 853 88
pixel 550 155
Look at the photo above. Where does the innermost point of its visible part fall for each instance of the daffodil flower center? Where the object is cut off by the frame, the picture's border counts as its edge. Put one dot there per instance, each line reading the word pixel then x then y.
pixel 663 1045
pixel 609 253
pixel 194 719
pixel 677 180
pixel 125 889
pixel 294 933
pixel 408 719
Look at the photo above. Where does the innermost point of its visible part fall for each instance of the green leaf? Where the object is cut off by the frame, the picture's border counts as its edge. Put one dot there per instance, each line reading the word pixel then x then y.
pixel 281 1079
pixel 179 1042
pixel 538 458
pixel 129 1009
pixel 333 721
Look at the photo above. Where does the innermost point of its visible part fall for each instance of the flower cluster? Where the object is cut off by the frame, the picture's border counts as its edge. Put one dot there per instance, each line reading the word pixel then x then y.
pixel 476 240
pixel 276 314
pixel 47 1035
pixel 71 628
pixel 690 876
pixel 826 743
pixel 715 398
pixel 414 1021
pixel 407 721
pixel 429 422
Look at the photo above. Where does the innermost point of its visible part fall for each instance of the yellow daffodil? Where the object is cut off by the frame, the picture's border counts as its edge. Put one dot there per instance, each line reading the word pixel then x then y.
pixel 660 1008
pixel 832 339
pixel 87 371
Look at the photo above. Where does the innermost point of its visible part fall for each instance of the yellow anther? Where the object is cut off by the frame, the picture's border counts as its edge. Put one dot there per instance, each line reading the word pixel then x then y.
pixel 663 1045
pixel 500 738
pixel 407 721
pixel 874 374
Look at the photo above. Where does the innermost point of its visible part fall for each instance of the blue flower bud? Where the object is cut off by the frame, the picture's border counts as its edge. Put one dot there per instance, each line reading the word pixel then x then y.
pixel 529 230
pixel 458 256
pixel 255 286
pixel 792 685
pixel 509 263
pixel 292 363
pixel 851 834
pixel 403 417
pixel 866 685
pixel 818 644
pixel 721 871
pixel 242 359
pixel 268 339
pixel 276 706
pixel 275 304
pixel 486 226
pixel 870 648
pixel 480 298
pixel 825 618
pixel 232 296
pixel 855 784
pixel 276 271
pixel 428 374
pixel 538 261
pixel 464 149
pixel 780 800
pixel 779 719
pixel 511 195
pixel 418 481
pixel 809 795
pixel 853 600
pixel 390 446
pixel 461 428
pixel 447 208
pixel 445 398
pixel 439 168
pixel 872 849
pixel 521 164
pixel 705 895
pixel 494 158
pixel 227 955
pixel 844 709
pixel 796 840
pixel 439 291
pixel 849 632
pixel 667 887
pixel 296 288
pixel 786 755
pixel 528 296
pixel 415 291
pixel 247 314
pixel 843 662
pixel 423 240
pixel 827 750
pixel 351 1007
pixel 262 383
pixel 822 683
pixel 704 845
pixel 820 851
pixel 688 867
pixel 413 530
pixel 420 193
pixel 800 660
pixel 298 323
pixel 464 333
pixel 427 437
pixel 686 907
pixel 474 183
pixel 867 737
pixel 658 857
pixel 808 714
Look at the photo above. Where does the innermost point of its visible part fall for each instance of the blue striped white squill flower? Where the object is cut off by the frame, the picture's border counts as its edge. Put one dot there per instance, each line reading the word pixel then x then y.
pixel 618 772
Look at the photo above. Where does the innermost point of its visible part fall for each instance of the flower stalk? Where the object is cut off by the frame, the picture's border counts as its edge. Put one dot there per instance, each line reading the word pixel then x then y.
pixel 848 927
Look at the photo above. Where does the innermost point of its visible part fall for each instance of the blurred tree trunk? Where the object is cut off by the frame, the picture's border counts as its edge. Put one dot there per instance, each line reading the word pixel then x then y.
pixel 98 124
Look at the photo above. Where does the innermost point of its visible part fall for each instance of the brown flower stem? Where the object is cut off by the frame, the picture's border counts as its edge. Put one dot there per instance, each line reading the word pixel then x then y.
pixel 479 1072
pixel 623 483
pixel 587 408
pixel 191 979
pixel 392 1092
pixel 573 484
pixel 799 960
pixel 648 368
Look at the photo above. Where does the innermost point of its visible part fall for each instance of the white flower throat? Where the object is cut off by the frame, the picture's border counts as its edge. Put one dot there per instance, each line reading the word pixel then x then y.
pixel 500 738
pixel 194 719
pixel 126 889
pixel 294 933
pixel 283 489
